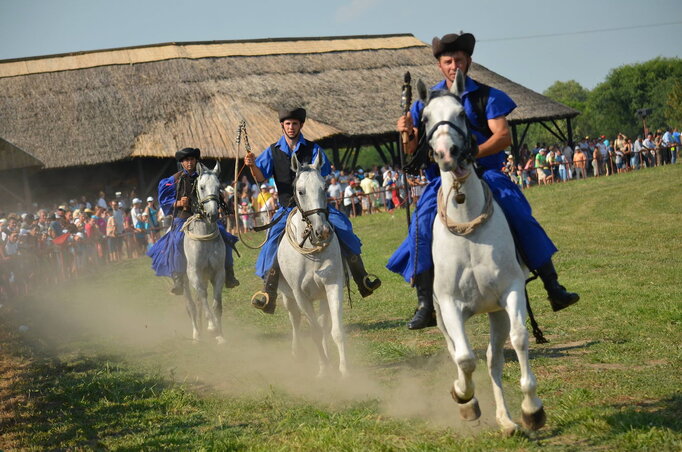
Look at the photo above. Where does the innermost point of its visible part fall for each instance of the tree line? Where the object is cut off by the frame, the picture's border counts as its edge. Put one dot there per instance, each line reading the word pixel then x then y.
pixel 611 107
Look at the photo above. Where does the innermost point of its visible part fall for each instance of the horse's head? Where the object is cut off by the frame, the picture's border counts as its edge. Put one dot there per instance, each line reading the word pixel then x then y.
pixel 208 191
pixel 311 198
pixel 446 128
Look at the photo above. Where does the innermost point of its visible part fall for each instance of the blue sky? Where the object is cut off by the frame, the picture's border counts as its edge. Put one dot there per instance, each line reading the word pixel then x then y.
pixel 533 42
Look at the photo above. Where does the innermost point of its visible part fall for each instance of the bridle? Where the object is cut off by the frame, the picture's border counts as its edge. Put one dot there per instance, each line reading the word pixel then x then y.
pixel 467 153
pixel 198 207
pixel 305 214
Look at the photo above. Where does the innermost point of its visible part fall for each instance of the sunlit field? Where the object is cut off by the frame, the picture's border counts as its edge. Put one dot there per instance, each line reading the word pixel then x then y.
pixel 106 362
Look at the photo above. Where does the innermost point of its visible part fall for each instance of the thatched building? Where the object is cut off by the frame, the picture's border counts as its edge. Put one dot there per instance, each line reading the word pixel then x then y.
pixel 104 118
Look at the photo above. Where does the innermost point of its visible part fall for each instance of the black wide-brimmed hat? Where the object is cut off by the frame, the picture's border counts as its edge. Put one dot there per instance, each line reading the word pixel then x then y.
pixel 296 113
pixel 453 42
pixel 187 152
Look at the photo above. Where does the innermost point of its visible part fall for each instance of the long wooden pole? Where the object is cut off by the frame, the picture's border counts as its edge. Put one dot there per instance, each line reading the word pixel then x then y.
pixel 405 101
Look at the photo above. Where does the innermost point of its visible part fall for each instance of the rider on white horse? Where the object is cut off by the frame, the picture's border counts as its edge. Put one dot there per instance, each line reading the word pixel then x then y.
pixel 275 161
pixel 486 110
pixel 177 197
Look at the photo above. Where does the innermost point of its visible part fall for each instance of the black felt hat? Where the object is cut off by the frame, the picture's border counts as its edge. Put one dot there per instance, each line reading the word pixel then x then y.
pixel 187 152
pixel 296 113
pixel 453 42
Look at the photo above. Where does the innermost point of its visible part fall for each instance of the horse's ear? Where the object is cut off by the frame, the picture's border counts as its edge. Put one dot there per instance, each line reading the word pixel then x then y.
pixel 421 89
pixel 200 168
pixel 294 163
pixel 216 169
pixel 457 88
pixel 317 161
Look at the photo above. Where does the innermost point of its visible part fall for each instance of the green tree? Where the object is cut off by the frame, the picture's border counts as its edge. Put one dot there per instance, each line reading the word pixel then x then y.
pixel 612 104
pixel 673 108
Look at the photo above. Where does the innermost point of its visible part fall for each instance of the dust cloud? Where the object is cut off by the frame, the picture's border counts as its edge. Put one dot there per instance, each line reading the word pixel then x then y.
pixel 155 332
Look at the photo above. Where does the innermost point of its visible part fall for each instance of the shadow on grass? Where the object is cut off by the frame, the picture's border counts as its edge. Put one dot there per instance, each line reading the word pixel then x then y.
pixel 663 413
pixel 380 325
pixel 91 402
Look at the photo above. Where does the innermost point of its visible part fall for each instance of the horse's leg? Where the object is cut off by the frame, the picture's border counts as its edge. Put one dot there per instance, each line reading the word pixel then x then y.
pixel 533 413
pixel 218 282
pixel 335 314
pixel 295 320
pixel 194 316
pixel 325 323
pixel 315 331
pixel 452 319
pixel 499 331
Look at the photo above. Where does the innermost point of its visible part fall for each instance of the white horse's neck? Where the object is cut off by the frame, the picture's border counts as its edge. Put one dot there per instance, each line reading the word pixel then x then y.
pixel 471 187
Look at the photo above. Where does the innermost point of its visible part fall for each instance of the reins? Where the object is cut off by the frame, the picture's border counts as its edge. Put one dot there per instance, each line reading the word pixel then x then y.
pixel 467 228
pixel 247 147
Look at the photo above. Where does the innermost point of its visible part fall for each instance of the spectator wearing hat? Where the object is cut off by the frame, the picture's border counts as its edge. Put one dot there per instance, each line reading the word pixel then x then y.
pixel 275 161
pixel 579 162
pixel 136 210
pixel 153 217
pixel 177 197
pixel 261 203
pixel 486 109
pixel 232 223
pixel 351 200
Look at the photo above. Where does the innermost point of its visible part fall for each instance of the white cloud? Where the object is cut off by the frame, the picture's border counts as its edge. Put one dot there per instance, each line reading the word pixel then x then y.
pixel 354 9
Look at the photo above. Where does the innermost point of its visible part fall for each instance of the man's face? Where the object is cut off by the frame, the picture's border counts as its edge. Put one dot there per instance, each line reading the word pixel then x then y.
pixel 448 63
pixel 291 128
pixel 189 164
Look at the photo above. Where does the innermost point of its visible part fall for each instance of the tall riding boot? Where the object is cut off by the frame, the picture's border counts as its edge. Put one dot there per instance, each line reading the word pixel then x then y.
pixel 424 315
pixel 178 283
pixel 267 299
pixel 366 285
pixel 230 281
pixel 559 298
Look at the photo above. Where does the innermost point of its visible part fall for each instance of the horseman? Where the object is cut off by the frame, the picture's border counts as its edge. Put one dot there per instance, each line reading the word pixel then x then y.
pixel 177 197
pixel 486 110
pixel 275 161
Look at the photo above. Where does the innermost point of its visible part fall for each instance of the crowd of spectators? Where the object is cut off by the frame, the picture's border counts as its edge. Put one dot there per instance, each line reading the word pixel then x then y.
pixel 47 245
pixel 355 193
pixel 76 237
pixel 592 157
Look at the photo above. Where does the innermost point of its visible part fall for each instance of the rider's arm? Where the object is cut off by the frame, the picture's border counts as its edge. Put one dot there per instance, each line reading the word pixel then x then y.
pixel 498 141
pixel 406 124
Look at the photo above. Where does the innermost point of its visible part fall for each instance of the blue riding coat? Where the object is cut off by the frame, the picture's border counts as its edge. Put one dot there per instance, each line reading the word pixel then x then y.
pixel 350 243
pixel 413 256
pixel 168 253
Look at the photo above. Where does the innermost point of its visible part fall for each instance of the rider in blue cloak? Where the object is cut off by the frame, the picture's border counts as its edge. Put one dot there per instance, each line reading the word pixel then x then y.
pixel 486 110
pixel 275 162
pixel 177 197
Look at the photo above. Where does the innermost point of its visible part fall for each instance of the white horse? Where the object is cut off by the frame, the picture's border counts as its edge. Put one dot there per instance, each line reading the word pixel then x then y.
pixel 312 267
pixel 476 267
pixel 205 253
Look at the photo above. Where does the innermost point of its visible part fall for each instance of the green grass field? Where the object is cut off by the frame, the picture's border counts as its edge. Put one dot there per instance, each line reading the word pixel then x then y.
pixel 107 362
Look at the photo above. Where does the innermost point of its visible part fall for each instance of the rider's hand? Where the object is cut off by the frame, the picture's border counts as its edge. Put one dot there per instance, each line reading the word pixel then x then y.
pixel 405 124
pixel 184 201
pixel 250 159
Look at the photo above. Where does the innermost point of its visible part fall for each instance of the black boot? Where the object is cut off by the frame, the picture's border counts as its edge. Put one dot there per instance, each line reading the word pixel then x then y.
pixel 424 315
pixel 366 285
pixel 267 299
pixel 559 298
pixel 178 283
pixel 230 281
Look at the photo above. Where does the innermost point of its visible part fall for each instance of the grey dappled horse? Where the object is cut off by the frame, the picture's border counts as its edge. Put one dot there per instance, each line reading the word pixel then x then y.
pixel 205 252
pixel 476 270
pixel 312 267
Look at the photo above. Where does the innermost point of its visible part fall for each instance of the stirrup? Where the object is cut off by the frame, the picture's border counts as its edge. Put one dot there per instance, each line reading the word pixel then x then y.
pixel 365 282
pixel 268 307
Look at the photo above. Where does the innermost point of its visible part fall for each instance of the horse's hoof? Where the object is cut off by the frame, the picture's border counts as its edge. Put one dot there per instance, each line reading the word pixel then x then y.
pixel 220 340
pixel 511 430
pixel 534 421
pixel 470 411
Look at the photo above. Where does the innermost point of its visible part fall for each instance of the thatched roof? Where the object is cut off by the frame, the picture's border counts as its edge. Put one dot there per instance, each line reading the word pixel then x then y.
pixel 12 157
pixel 96 107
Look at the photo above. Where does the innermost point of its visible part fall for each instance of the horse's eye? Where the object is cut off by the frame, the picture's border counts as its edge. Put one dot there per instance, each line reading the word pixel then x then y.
pixel 301 192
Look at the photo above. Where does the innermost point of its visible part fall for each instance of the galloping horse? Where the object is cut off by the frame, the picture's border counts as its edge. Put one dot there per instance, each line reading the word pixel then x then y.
pixel 476 269
pixel 205 253
pixel 315 271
